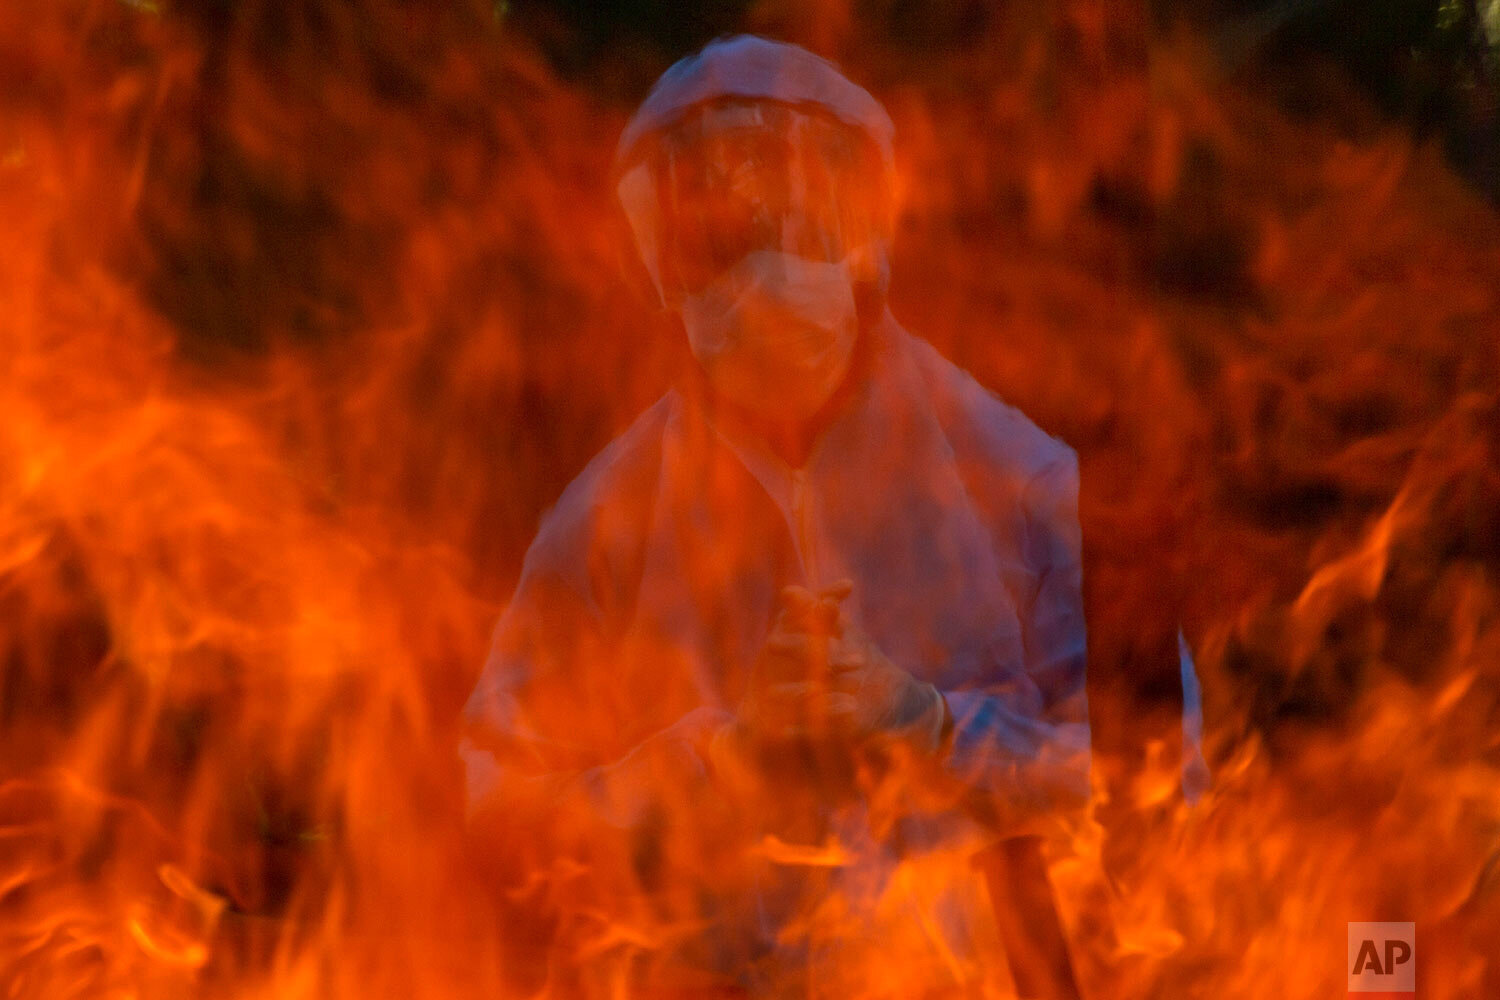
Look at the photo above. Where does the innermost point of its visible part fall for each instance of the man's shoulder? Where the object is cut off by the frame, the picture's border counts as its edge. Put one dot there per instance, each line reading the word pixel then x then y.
pixel 1018 473
pixel 980 426
pixel 612 494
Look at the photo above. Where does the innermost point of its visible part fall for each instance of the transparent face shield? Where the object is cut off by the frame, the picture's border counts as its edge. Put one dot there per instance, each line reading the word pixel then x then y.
pixel 739 177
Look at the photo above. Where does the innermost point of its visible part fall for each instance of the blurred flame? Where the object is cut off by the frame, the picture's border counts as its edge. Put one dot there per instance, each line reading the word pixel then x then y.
pixel 244 588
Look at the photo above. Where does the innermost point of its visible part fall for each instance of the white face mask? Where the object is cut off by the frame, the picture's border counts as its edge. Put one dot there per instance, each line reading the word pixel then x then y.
pixel 775 332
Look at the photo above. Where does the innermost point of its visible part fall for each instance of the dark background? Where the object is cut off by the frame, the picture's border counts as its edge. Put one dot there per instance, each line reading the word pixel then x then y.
pixel 1428 62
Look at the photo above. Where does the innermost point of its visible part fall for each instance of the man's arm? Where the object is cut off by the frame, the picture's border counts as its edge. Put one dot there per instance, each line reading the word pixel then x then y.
pixel 1025 756
pixel 541 746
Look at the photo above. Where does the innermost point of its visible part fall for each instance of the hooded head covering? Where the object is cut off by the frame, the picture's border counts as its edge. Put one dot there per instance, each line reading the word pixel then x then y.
pixel 743 66
pixel 756 68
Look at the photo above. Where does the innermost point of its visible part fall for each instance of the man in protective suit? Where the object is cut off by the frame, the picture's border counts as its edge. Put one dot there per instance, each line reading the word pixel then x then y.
pixel 817 613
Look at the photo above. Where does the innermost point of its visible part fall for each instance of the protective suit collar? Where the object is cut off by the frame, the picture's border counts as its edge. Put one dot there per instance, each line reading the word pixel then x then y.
pixel 837 526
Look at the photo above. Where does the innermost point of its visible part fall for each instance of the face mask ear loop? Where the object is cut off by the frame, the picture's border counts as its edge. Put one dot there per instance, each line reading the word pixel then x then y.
pixel 841 212
pixel 671 284
pixel 794 219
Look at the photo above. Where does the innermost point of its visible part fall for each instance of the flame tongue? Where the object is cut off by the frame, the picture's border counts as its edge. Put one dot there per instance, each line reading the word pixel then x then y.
pixel 244 588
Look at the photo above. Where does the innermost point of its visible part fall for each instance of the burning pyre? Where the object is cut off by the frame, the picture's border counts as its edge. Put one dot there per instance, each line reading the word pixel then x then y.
pixel 309 309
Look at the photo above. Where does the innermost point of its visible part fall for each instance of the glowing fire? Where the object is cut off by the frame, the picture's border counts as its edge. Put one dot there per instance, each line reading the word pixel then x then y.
pixel 245 589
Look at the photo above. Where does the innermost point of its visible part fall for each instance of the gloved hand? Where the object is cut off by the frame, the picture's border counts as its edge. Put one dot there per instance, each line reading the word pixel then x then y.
pixel 786 699
pixel 872 699
pixel 820 677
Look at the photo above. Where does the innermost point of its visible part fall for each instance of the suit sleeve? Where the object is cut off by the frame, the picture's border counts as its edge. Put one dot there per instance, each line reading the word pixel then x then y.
pixel 1024 753
pixel 540 744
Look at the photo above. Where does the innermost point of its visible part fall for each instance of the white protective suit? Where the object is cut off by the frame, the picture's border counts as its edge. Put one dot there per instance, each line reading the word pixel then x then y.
pixel 652 583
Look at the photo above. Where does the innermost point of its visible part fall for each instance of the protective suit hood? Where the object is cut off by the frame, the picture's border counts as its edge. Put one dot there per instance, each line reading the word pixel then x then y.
pixel 756 68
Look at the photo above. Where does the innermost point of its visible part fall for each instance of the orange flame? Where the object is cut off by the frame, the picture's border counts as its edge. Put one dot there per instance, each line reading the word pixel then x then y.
pixel 309 312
